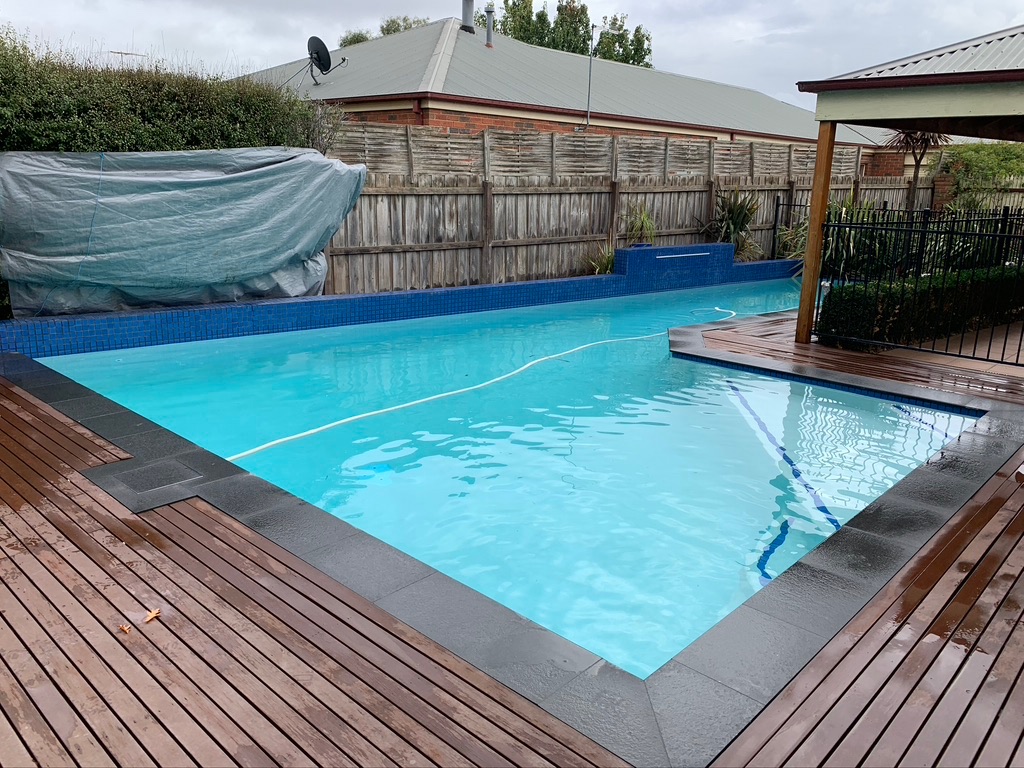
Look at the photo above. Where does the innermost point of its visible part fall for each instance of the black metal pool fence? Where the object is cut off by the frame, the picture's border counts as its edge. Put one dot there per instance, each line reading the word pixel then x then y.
pixel 943 281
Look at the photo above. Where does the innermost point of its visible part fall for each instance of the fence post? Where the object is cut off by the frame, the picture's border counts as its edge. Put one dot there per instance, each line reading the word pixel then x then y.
pixel 712 200
pixel 615 158
pixel 664 175
pixel 486 259
pixel 1004 229
pixel 790 194
pixel 775 226
pixel 613 225
pixel 753 161
pixel 711 158
pixel 554 159
pixel 408 149
pixel 856 190
pixel 487 154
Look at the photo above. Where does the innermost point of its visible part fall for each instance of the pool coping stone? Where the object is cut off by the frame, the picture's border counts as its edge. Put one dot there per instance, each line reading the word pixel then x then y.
pixel 687 711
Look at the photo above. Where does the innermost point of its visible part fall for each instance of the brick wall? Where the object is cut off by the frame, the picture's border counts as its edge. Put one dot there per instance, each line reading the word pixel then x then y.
pixel 470 123
pixel 943 191
pixel 885 164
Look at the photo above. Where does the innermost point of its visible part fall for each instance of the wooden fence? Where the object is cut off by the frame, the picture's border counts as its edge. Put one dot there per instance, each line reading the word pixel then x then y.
pixel 415 151
pixel 443 231
pixel 442 210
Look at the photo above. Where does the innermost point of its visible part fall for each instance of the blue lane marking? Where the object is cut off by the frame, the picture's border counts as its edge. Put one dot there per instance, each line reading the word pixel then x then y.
pixel 762 562
pixel 914 417
pixel 819 503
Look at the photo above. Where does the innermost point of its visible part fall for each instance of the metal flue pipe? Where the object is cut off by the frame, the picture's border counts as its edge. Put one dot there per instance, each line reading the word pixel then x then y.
pixel 467 17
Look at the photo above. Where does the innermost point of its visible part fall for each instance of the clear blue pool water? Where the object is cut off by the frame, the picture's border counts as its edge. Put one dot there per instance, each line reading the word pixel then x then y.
pixel 621 498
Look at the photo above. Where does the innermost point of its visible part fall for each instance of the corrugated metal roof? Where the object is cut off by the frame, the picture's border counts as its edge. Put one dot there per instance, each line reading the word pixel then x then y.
pixel 457 63
pixel 994 52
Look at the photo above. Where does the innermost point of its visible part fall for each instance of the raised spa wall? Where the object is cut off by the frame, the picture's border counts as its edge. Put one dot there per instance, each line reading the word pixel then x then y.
pixel 637 270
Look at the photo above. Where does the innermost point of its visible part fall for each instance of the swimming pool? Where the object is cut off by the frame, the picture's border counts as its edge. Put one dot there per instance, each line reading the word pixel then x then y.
pixel 554 458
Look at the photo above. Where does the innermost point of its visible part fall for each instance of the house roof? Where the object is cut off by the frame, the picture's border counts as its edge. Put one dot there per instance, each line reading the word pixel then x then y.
pixel 442 60
pixel 995 57
pixel 996 51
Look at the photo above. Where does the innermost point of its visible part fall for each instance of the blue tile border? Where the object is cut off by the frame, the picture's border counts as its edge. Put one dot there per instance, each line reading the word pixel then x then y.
pixel 637 270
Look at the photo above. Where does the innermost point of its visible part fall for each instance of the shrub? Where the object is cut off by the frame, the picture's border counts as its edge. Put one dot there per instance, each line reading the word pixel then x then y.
pixel 734 215
pixel 879 313
pixel 54 102
pixel 981 171
pixel 640 225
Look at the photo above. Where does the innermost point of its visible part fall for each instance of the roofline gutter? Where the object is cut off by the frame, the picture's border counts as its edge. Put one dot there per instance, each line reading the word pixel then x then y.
pixel 421 95
pixel 911 81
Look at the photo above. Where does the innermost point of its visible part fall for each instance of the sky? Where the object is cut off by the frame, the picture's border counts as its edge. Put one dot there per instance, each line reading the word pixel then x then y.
pixel 767 46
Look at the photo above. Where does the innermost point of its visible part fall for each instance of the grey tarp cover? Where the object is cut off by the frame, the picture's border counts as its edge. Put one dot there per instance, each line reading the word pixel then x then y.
pixel 105 231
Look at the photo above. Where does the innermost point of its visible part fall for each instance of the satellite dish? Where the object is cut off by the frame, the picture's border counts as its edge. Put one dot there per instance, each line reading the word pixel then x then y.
pixel 319 59
pixel 319 56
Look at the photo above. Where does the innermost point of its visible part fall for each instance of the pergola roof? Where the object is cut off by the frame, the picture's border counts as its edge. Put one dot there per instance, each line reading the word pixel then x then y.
pixel 972 88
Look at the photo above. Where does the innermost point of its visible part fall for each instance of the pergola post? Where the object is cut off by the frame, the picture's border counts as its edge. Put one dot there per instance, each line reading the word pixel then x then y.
pixel 815 231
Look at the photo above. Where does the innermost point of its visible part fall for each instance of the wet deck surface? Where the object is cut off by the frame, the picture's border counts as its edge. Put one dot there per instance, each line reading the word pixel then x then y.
pixel 929 671
pixel 255 658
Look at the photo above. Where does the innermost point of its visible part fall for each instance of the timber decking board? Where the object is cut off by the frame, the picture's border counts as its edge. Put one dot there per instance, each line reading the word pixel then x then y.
pixel 930 671
pixel 773 338
pixel 256 658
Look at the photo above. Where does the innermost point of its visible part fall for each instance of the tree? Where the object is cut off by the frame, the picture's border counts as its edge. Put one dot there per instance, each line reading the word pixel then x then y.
pixel 571 31
pixel 395 24
pixel 353 36
pixel 617 44
pixel 390 25
pixel 517 21
pixel 916 144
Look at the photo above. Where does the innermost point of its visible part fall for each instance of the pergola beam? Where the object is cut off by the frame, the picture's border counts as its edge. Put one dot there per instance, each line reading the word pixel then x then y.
pixel 816 230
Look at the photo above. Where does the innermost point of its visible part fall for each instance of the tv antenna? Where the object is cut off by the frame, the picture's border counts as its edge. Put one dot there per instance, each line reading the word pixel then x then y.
pixel 122 54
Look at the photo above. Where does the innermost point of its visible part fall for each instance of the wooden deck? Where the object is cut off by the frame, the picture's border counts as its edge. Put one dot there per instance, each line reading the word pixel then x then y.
pixel 930 671
pixel 772 338
pixel 256 658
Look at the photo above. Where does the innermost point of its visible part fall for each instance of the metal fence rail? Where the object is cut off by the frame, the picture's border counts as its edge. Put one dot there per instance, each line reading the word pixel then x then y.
pixel 950 282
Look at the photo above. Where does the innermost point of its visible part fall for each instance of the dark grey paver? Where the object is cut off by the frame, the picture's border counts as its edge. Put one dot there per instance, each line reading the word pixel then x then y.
pixel 533 661
pixel 115 425
pixel 751 652
pixel 814 599
pixel 81 408
pixel 860 556
pixel 697 716
pixel 367 565
pixel 613 708
pixel 454 615
pixel 295 525
pixel 158 474
pixel 154 444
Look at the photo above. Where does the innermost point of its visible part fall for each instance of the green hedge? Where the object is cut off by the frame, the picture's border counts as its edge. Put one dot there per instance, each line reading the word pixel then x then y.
pixel 907 312
pixel 54 103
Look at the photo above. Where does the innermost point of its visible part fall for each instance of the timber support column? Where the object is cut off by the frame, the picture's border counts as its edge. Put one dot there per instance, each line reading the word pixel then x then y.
pixel 815 230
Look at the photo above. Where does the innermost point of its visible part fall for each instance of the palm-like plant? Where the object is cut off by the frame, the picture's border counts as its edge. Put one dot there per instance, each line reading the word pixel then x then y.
pixel 916 144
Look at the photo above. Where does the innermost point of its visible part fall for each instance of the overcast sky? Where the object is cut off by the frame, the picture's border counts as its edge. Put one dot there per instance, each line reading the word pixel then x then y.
pixel 763 45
